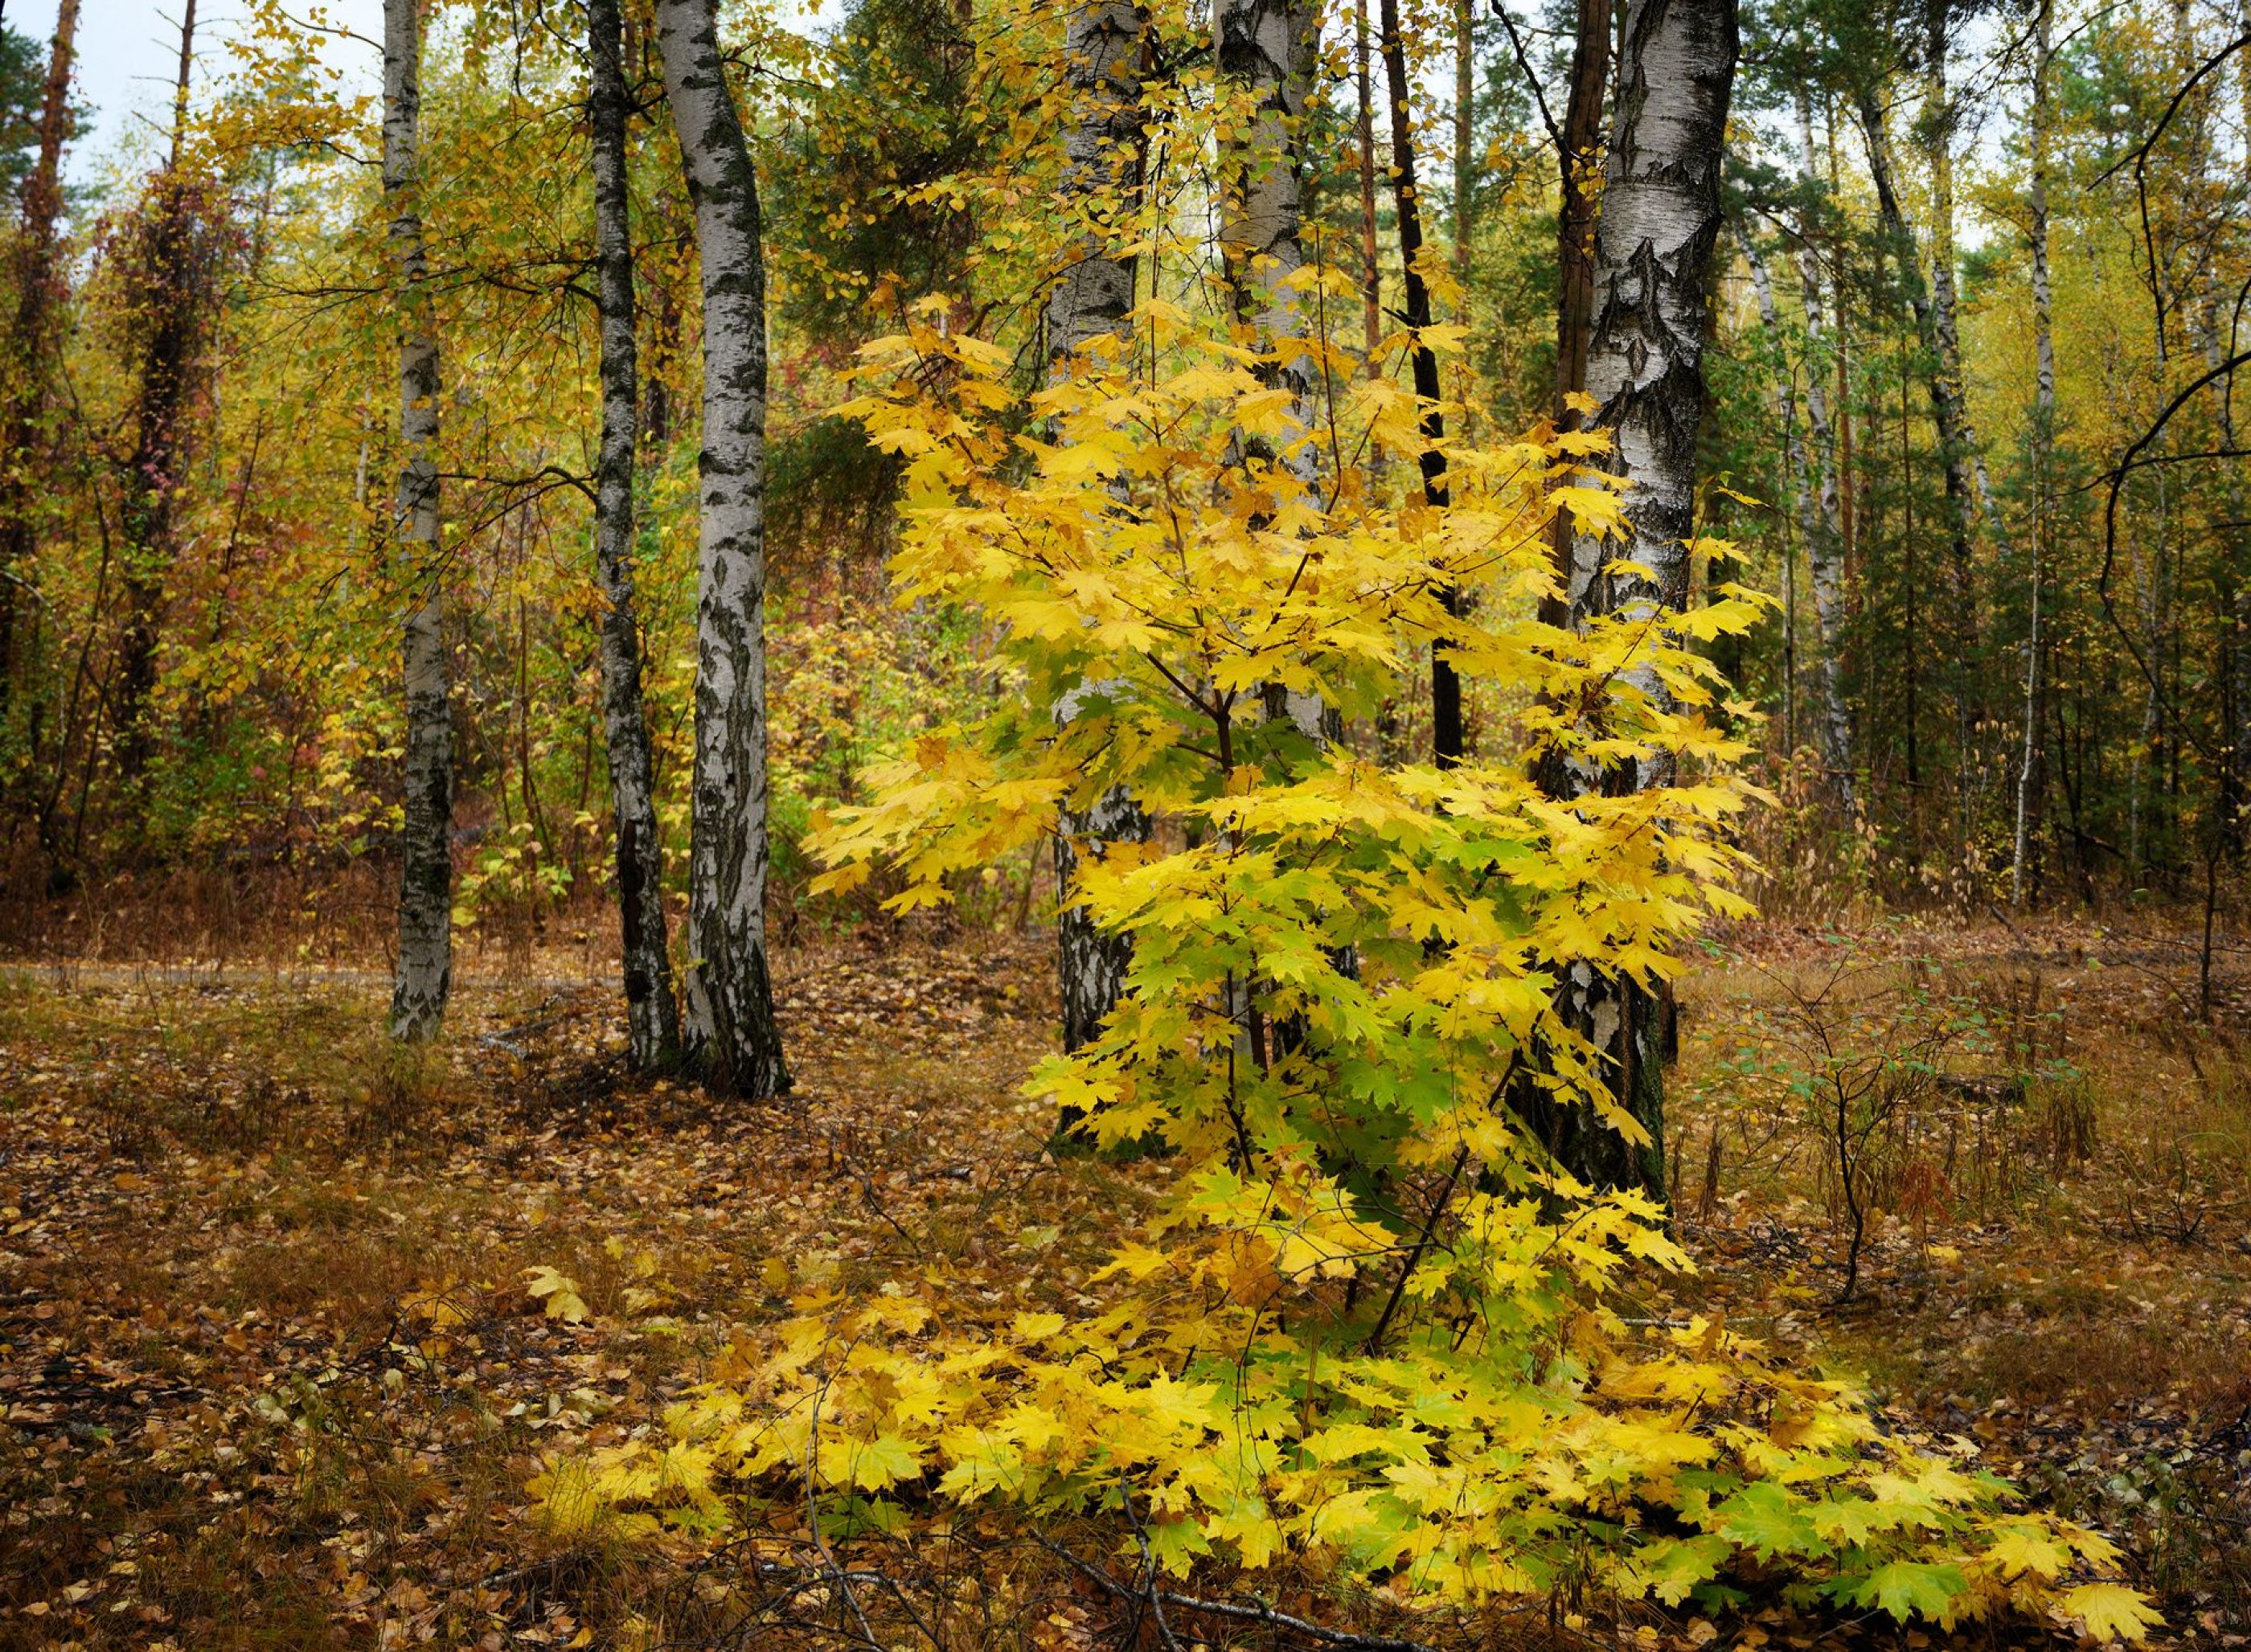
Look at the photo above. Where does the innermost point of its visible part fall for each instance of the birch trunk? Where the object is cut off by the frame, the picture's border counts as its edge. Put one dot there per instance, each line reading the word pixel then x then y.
pixel 1660 217
pixel 1092 300
pixel 1794 465
pixel 652 1011
pixel 1267 51
pixel 1957 440
pixel 425 972
pixel 729 1024
pixel 32 335
pixel 1825 539
pixel 2215 328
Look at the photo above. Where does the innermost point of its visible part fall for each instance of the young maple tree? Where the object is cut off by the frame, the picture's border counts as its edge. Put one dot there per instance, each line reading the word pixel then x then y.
pixel 1372 1322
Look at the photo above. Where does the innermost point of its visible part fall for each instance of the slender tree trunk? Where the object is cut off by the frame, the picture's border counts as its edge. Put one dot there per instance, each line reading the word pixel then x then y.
pixel 2043 442
pixel 1660 217
pixel 1371 275
pixel 1576 208
pixel 1092 300
pixel 1794 467
pixel 426 940
pixel 2235 594
pixel 1448 740
pixel 729 1029
pixel 149 510
pixel 1825 540
pixel 32 338
pixel 1464 144
pixel 1577 167
pixel 651 1011
pixel 1964 489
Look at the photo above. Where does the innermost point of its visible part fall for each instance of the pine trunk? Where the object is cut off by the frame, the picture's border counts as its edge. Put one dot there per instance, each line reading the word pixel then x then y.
pixel 2043 443
pixel 652 1011
pixel 1371 275
pixel 31 336
pixel 1966 485
pixel 1091 300
pixel 728 1025
pixel 1660 218
pixel 149 510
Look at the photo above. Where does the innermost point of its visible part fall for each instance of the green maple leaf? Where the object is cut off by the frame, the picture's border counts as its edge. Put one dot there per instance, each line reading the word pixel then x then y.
pixel 1765 1519
pixel 1905 1587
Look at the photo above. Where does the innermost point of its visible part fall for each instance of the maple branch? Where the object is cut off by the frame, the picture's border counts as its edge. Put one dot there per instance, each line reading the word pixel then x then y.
pixel 1375 1343
pixel 1256 1612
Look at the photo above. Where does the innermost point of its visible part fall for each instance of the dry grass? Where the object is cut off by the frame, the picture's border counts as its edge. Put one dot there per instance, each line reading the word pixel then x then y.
pixel 2059 1253
pixel 270 1377
pixel 268 1374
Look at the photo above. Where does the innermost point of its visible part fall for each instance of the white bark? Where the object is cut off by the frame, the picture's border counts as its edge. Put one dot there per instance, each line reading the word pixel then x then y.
pixel 1660 217
pixel 1652 249
pixel 1825 540
pixel 652 1011
pixel 1267 51
pixel 1794 467
pixel 1090 300
pixel 729 1027
pixel 426 945
pixel 1101 174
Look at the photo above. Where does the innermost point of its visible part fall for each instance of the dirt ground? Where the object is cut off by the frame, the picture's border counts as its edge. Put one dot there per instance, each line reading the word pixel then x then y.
pixel 272 1373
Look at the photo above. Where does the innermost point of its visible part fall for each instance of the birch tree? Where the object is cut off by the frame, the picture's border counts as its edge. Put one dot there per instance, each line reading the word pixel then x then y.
pixel 1660 218
pixel 424 971
pixel 652 1011
pixel 1825 540
pixel 728 1025
pixel 1267 53
pixel 1089 303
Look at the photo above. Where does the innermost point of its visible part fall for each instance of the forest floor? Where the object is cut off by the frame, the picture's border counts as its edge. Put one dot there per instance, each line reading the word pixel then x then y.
pixel 271 1376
